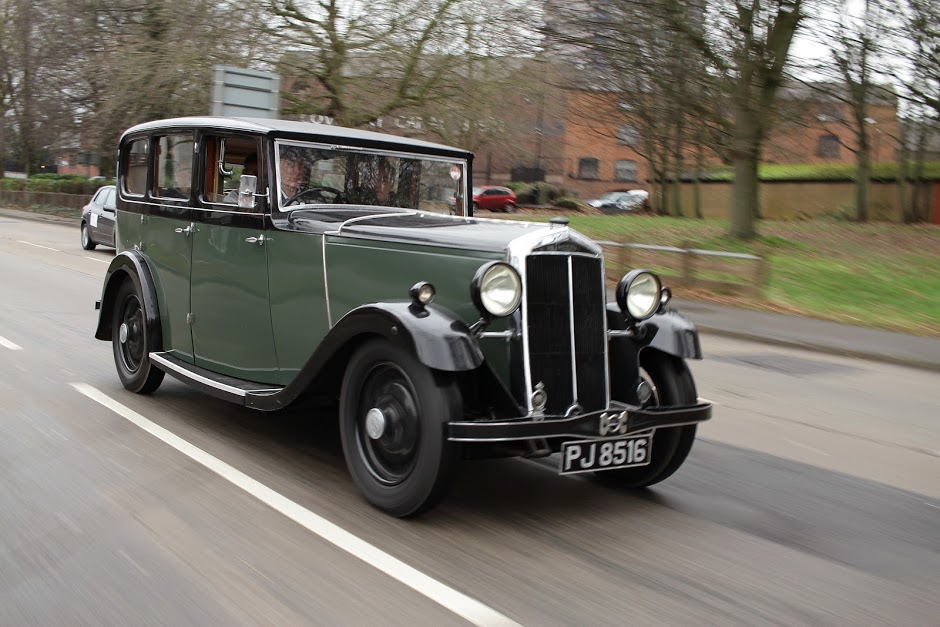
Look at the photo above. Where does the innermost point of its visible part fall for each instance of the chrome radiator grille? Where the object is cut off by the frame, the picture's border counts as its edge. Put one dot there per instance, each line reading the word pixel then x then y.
pixel 566 330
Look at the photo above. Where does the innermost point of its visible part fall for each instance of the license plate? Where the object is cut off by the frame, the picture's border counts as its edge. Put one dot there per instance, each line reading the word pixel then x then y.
pixel 591 455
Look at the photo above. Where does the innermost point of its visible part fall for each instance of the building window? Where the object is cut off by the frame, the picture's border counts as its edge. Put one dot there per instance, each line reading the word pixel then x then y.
pixel 589 168
pixel 625 170
pixel 830 112
pixel 628 135
pixel 827 147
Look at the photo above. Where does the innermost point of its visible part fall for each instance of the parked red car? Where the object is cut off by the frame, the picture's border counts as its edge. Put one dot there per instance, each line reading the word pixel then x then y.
pixel 493 198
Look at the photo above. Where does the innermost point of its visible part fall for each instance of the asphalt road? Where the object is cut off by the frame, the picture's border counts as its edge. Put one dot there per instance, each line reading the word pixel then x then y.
pixel 812 497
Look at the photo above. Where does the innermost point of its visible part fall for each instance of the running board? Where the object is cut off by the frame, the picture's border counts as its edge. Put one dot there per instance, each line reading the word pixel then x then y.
pixel 221 386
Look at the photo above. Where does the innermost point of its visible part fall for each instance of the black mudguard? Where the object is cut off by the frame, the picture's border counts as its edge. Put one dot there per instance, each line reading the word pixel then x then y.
pixel 668 331
pixel 130 264
pixel 435 335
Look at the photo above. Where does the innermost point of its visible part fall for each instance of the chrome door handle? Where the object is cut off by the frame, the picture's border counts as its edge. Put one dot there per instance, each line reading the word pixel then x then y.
pixel 256 240
pixel 189 229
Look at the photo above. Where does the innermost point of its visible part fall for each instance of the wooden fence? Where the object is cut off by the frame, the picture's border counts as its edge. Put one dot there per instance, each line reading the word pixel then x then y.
pixel 723 272
pixel 51 199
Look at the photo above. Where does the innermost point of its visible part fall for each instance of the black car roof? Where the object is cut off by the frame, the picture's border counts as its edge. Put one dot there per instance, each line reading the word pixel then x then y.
pixel 308 131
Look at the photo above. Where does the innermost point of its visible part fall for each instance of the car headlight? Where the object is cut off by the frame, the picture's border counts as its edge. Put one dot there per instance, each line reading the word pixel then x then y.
pixel 496 289
pixel 639 294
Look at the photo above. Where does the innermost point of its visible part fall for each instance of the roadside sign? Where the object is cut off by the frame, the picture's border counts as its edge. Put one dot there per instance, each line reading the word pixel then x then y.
pixel 247 93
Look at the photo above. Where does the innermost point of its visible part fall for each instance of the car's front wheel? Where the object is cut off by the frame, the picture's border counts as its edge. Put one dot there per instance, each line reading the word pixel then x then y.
pixel 129 342
pixel 509 208
pixel 672 385
pixel 393 417
pixel 87 244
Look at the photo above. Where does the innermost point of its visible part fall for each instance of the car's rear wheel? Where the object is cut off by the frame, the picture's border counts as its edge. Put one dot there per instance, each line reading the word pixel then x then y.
pixel 87 244
pixel 393 416
pixel 129 342
pixel 672 385
pixel 509 208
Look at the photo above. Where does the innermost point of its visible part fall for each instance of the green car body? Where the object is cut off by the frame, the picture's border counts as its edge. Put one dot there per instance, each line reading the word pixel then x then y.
pixel 344 264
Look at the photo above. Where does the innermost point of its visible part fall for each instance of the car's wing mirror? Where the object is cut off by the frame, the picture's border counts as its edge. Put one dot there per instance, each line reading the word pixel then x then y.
pixel 247 187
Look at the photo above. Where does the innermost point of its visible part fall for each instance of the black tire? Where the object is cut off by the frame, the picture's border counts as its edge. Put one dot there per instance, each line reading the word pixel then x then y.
pixel 476 207
pixel 509 208
pixel 673 385
pixel 129 342
pixel 408 467
pixel 87 244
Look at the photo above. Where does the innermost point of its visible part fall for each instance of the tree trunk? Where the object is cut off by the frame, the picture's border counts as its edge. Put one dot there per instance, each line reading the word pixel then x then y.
pixel 745 153
pixel 699 158
pixel 904 196
pixel 862 180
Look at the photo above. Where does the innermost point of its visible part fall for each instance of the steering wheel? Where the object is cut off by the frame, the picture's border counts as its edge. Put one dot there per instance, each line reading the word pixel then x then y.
pixel 318 193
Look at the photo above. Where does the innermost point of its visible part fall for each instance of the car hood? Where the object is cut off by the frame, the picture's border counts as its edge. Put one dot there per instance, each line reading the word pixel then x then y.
pixel 419 228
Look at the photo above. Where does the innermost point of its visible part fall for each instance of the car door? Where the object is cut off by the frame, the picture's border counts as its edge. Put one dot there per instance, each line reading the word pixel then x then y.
pixel 165 234
pixel 232 330
pixel 489 199
pixel 106 218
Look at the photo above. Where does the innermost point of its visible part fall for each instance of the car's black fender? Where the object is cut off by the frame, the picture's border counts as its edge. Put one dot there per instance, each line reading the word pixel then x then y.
pixel 130 265
pixel 434 335
pixel 667 331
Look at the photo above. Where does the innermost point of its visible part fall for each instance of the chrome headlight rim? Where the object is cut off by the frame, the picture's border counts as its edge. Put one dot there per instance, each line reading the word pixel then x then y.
pixel 634 296
pixel 483 283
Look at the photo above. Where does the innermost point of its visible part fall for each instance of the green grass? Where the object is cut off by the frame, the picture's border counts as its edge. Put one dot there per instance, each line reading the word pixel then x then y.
pixel 821 172
pixel 877 275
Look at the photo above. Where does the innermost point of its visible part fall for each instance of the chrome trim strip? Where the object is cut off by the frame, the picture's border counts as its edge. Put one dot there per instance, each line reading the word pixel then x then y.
pixel 579 436
pixel 574 348
pixel 603 278
pixel 620 333
pixel 517 251
pixel 168 365
pixel 396 214
pixel 326 285
pixel 499 335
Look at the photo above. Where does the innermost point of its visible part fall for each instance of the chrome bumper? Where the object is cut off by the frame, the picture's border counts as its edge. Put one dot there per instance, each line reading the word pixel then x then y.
pixel 613 422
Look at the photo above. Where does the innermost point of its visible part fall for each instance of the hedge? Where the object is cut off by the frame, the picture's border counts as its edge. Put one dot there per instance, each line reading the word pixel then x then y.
pixel 59 183
pixel 818 172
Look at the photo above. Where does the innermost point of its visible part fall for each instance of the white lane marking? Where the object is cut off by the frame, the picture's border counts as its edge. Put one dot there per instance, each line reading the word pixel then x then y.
pixel 98 260
pixel 931 505
pixel 38 245
pixel 457 602
pixel 807 447
pixel 8 344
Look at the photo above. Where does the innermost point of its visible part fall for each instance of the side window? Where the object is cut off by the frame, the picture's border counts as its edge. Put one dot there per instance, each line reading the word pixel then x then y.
pixel 109 199
pixel 625 170
pixel 589 168
pixel 827 147
pixel 226 160
pixel 628 135
pixel 173 166
pixel 135 173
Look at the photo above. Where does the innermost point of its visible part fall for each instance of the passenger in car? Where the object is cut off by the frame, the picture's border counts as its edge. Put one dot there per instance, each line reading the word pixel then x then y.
pixel 250 168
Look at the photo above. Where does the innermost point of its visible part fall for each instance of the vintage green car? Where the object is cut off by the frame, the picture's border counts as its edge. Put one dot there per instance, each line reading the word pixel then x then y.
pixel 265 262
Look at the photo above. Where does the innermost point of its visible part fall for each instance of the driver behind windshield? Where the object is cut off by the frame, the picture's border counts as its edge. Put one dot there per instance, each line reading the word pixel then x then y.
pixel 294 174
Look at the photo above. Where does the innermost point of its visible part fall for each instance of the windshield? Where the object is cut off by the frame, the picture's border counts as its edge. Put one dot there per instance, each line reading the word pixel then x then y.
pixel 316 175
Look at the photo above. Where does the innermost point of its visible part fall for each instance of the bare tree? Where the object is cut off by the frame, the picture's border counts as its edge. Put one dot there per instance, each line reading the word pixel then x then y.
pixel 355 62
pixel 855 51
pixel 635 68
pixel 749 47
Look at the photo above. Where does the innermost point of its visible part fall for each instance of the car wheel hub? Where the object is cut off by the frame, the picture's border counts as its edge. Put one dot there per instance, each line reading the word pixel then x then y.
pixel 124 333
pixel 375 423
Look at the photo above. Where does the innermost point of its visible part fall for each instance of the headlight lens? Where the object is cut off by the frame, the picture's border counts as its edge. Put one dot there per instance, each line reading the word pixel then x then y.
pixel 639 294
pixel 496 289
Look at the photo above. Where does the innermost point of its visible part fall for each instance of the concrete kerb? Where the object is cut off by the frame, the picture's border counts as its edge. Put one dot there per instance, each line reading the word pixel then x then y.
pixel 881 357
pixel 37 217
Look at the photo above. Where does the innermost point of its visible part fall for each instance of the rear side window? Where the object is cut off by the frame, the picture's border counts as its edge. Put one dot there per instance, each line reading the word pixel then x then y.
pixel 173 166
pixel 135 176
